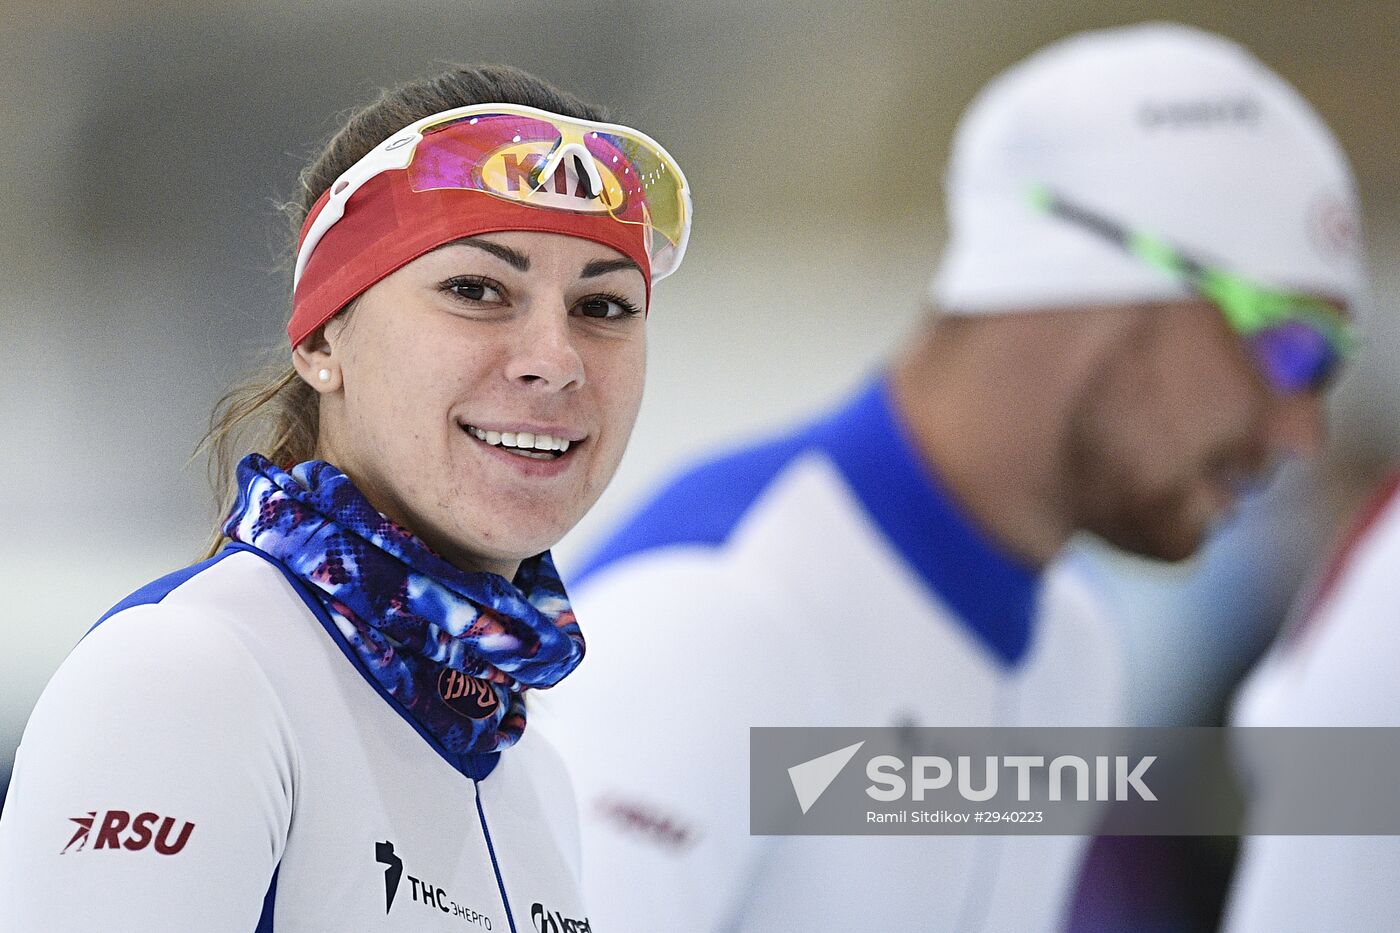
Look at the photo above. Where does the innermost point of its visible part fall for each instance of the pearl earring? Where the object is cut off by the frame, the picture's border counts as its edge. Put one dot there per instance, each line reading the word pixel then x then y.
pixel 324 375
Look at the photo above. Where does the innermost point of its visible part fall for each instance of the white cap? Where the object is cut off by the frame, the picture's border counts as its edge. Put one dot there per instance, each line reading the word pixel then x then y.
pixel 1167 130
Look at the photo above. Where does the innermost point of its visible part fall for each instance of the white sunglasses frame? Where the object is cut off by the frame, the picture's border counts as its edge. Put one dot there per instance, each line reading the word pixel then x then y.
pixel 396 152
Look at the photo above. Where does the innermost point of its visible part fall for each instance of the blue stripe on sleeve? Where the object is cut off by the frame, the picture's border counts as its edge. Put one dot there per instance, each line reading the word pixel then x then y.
pixel 157 590
pixel 269 904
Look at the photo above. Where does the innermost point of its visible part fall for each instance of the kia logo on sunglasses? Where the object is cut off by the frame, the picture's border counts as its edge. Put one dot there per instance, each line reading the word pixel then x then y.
pixel 511 172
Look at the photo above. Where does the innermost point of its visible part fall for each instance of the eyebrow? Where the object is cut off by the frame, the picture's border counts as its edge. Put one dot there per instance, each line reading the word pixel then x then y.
pixel 516 258
pixel 520 261
pixel 603 266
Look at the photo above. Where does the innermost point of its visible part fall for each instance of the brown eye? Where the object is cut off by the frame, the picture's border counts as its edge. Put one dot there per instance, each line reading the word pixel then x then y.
pixel 606 306
pixel 471 289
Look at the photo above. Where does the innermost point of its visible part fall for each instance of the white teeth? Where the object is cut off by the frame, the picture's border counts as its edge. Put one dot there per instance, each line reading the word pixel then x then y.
pixel 532 454
pixel 521 441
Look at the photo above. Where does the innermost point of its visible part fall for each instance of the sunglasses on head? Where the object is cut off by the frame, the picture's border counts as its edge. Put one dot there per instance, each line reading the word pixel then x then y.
pixel 533 157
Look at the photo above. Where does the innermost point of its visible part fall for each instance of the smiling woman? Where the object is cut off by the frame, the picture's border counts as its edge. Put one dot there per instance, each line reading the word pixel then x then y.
pixel 334 699
pixel 527 336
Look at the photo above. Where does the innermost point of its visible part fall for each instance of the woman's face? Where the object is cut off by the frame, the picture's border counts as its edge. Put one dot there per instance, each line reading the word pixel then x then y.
pixel 482 395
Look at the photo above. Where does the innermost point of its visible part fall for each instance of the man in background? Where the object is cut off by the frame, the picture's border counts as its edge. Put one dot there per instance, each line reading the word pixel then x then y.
pixel 1141 302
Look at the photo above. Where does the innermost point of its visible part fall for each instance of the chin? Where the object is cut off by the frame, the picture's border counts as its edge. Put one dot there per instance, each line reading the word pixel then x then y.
pixel 1163 535
pixel 516 545
pixel 1174 549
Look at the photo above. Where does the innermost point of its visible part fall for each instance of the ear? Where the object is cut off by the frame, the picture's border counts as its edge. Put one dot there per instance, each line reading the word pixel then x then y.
pixel 316 362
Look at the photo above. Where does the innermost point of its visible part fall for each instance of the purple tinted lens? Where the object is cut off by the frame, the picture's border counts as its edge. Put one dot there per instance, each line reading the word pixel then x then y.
pixel 1293 356
pixel 453 155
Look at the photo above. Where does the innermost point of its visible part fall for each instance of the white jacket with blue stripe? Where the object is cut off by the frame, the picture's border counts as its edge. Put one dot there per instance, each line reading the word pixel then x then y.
pixel 211 757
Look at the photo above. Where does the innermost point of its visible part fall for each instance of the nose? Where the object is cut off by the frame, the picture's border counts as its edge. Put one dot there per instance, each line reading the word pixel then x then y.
pixel 1298 425
pixel 544 355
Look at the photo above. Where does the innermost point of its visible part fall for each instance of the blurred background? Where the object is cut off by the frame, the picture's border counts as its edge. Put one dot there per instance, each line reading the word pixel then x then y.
pixel 145 150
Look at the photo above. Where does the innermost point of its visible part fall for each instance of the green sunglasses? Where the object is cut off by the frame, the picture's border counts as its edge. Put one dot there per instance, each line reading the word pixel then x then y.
pixel 1297 341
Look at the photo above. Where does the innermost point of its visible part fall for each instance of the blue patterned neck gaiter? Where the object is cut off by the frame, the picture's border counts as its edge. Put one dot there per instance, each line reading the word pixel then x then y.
pixel 454 648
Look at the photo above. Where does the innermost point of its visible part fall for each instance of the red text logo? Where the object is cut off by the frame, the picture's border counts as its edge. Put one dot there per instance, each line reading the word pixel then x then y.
pixel 117 829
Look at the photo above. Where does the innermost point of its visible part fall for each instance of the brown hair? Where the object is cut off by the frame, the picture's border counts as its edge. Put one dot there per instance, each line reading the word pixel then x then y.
pixel 274 412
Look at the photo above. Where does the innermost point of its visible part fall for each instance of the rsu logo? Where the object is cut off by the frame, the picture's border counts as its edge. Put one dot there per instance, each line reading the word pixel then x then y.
pixel 140 832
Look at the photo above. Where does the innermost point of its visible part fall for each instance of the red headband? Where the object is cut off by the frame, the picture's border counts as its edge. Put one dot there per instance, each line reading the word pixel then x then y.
pixel 387 225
